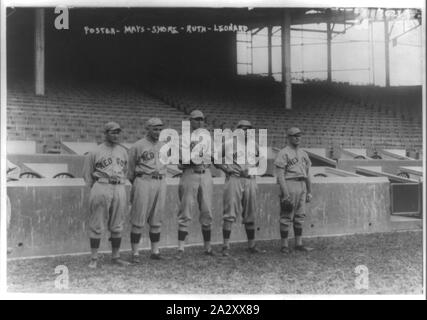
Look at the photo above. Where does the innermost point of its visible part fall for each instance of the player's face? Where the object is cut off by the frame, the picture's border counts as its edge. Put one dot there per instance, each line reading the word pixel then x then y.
pixel 245 130
pixel 154 132
pixel 197 123
pixel 295 140
pixel 113 136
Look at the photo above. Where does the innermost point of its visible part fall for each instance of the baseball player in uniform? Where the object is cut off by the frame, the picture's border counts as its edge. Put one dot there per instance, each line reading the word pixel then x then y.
pixel 240 197
pixel 148 195
pixel 195 187
pixel 293 173
pixel 105 173
pixel 12 174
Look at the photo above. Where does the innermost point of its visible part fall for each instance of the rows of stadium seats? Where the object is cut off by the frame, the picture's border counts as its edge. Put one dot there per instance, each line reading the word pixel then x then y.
pixel 69 113
pixel 330 115
pixel 327 116
pixel 404 102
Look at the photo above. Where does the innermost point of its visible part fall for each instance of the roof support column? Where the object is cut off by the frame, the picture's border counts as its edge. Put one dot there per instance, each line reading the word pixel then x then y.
pixel 386 51
pixel 286 58
pixel 39 54
pixel 234 53
pixel 270 51
pixel 329 46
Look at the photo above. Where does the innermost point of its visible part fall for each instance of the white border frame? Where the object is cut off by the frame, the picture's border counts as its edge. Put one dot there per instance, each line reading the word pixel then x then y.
pixel 192 3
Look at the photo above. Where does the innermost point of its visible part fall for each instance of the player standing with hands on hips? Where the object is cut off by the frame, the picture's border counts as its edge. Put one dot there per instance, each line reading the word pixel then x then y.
pixel 148 176
pixel 293 173
pixel 105 172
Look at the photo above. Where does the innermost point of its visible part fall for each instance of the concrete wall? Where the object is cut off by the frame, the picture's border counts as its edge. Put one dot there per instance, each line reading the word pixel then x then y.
pixel 49 216
pixel 74 162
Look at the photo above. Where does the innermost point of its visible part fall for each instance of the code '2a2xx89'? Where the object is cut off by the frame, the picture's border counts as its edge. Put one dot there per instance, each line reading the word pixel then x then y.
pixel 230 309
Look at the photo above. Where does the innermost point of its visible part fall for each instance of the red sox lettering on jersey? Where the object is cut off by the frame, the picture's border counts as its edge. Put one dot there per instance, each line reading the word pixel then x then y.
pixel 295 162
pixel 144 158
pixel 106 161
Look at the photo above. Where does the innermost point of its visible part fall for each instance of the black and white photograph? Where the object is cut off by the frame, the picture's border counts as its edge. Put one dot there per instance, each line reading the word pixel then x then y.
pixel 211 149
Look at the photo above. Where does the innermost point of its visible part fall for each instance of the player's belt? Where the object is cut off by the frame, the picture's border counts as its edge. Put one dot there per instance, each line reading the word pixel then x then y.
pixel 110 181
pixel 244 177
pixel 296 179
pixel 154 176
pixel 198 171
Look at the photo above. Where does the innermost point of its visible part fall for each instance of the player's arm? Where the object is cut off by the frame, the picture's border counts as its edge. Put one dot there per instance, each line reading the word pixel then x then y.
pixel 131 164
pixel 308 181
pixel 308 184
pixel 88 169
pixel 218 159
pixel 219 166
pixel 219 163
pixel 126 168
pixel 180 148
pixel 259 159
pixel 280 170
pixel 228 169
pixel 280 174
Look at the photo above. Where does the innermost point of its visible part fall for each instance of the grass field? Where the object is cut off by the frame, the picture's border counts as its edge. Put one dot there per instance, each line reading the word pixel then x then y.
pixel 394 261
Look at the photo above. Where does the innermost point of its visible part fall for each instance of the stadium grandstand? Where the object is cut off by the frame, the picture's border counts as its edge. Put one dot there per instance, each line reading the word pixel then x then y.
pixel 379 117
pixel 63 85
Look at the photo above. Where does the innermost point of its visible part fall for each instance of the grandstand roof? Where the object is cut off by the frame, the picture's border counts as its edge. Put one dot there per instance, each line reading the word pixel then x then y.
pixel 244 16
pixel 251 17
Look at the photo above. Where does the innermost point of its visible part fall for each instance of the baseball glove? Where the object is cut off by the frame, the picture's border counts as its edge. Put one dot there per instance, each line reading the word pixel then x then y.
pixel 287 206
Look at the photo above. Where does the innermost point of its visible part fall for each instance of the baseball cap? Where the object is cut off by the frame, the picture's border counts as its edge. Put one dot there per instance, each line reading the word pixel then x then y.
pixel 293 131
pixel 154 122
pixel 112 126
pixel 196 114
pixel 244 123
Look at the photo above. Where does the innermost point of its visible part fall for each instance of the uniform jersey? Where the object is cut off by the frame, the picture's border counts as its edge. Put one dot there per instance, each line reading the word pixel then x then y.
pixel 295 162
pixel 249 159
pixel 206 158
pixel 105 162
pixel 144 158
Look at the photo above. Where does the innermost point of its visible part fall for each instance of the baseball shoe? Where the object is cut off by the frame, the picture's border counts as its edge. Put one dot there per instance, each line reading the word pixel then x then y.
pixel 119 262
pixel 285 250
pixel 303 248
pixel 179 255
pixel 225 251
pixel 135 259
pixel 210 253
pixel 255 250
pixel 93 264
pixel 156 256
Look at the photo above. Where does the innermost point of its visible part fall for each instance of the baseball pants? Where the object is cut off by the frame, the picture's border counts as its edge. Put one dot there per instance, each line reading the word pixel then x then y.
pixel 298 193
pixel 240 199
pixel 148 197
pixel 108 204
pixel 195 188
